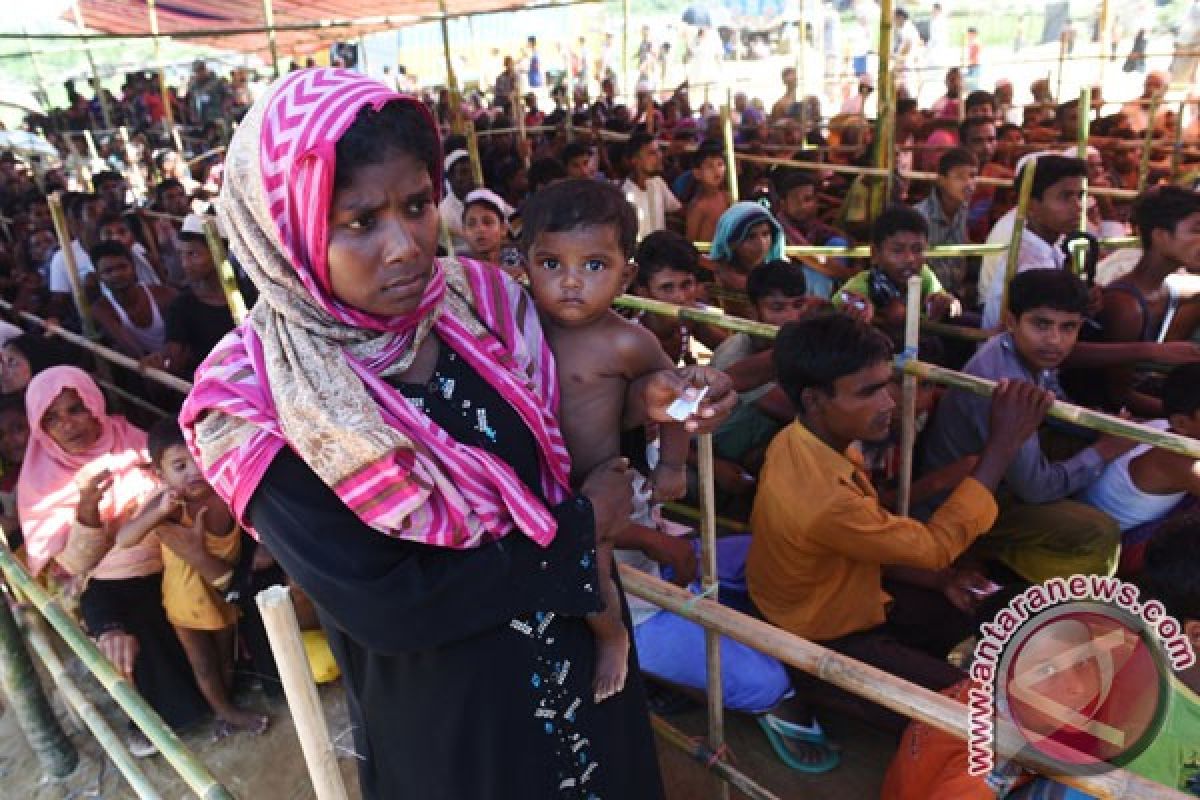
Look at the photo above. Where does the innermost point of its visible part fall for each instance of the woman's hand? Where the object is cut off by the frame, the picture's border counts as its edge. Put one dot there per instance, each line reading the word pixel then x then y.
pixel 121 649
pixel 91 491
pixel 609 487
pixel 185 542
pixel 661 389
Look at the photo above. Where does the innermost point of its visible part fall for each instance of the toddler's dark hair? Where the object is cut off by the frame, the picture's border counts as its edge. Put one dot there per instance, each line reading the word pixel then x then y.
pixel 579 203
pixel 165 434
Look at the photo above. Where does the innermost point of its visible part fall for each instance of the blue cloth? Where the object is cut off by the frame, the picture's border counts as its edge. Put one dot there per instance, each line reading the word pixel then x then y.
pixel 736 222
pixel 671 648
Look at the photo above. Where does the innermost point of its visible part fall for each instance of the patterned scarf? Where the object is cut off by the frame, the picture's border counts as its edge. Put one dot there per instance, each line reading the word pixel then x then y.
pixel 307 371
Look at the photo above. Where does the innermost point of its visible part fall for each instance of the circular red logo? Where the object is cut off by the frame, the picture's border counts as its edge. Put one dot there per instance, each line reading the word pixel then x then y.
pixel 1085 685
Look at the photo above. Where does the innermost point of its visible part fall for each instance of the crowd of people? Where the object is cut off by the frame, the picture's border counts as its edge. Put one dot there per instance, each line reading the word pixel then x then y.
pixel 432 417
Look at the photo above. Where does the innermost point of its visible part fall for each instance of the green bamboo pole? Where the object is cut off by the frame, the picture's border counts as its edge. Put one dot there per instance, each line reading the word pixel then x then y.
pixel 35 717
pixel 65 240
pixel 713 761
pixel 1147 144
pixel 1079 249
pixel 694 514
pixel 233 295
pixel 189 768
pixel 708 582
pixel 95 721
pixel 1177 150
pixel 168 112
pixel 456 115
pixel 107 353
pixel 1014 241
pixel 885 114
pixel 1068 412
pixel 97 86
pixel 715 317
pixel 908 396
pixel 626 89
pixel 272 44
pixel 730 152
pixel 473 153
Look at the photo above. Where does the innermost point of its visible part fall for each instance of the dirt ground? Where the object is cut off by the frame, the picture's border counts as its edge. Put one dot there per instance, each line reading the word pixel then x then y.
pixel 270 767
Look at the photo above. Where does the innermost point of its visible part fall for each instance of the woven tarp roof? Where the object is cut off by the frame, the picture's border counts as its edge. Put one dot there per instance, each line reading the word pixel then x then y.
pixel 303 25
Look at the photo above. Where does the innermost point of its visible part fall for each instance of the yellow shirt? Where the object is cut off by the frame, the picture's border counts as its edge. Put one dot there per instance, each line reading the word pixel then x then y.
pixel 821 538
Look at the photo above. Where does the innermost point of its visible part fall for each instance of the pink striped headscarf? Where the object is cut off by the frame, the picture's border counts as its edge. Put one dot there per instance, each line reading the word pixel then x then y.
pixel 307 371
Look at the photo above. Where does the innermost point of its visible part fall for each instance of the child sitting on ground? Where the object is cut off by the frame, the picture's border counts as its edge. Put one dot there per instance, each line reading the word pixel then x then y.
pixel 579 238
pixel 197 566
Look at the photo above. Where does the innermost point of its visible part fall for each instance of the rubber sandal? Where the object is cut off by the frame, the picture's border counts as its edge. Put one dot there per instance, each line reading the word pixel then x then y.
pixel 779 732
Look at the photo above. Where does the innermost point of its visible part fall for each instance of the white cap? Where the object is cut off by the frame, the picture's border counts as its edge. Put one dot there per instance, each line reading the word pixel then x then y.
pixel 194 223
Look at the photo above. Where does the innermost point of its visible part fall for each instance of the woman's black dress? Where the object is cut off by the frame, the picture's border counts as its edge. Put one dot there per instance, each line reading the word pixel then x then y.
pixel 468 672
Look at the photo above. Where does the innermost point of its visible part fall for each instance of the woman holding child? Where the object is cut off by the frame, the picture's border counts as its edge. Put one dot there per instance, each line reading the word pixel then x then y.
pixel 386 422
pixel 83 476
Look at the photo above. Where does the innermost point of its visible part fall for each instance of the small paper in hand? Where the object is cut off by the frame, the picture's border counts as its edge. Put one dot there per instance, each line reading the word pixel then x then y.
pixel 683 408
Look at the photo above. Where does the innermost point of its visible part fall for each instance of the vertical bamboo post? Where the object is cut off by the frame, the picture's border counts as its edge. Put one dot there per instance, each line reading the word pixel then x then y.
pixel 1177 150
pixel 363 66
pixel 522 135
pixel 730 150
pixel 1079 249
pixel 136 180
pixel 272 44
pixel 66 242
pixel 90 141
pixel 97 86
pixel 106 737
pixel 1014 241
pixel 908 396
pixel 279 618
pixel 473 153
pixel 168 111
pixel 456 115
pixel 885 112
pixel 189 768
pixel 1105 35
pixel 626 89
pixel 44 99
pixel 801 71
pixel 35 717
pixel 220 257
pixel 1147 144
pixel 1062 57
pixel 708 581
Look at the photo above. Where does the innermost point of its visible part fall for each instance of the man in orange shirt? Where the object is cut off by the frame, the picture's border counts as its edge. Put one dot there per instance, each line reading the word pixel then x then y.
pixel 827 561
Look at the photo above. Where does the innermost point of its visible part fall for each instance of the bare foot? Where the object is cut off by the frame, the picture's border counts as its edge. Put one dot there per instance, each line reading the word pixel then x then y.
pixel 612 656
pixel 238 721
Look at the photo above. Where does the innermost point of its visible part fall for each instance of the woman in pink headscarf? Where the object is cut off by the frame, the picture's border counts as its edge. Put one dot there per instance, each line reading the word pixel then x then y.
pixel 386 421
pixel 84 475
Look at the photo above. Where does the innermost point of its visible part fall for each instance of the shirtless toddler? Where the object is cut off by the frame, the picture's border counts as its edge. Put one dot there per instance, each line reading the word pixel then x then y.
pixel 579 238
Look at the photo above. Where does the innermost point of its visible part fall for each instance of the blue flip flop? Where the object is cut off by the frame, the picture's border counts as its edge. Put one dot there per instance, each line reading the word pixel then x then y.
pixel 780 731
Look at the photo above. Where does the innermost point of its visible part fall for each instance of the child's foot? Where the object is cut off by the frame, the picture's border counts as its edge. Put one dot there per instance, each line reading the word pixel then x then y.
pixel 238 721
pixel 612 663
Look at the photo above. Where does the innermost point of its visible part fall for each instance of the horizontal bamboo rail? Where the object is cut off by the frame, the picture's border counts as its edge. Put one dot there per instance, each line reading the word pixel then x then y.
pixel 190 769
pixel 1068 412
pixel 165 378
pixel 95 721
pixel 865 681
pixel 701 752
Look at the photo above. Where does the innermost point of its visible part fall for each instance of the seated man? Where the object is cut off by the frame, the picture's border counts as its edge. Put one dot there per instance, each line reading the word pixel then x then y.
pixel 798 206
pixel 945 211
pixel 899 239
pixel 1054 210
pixel 1040 533
pixel 824 548
pixel 129 312
pixel 1140 306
